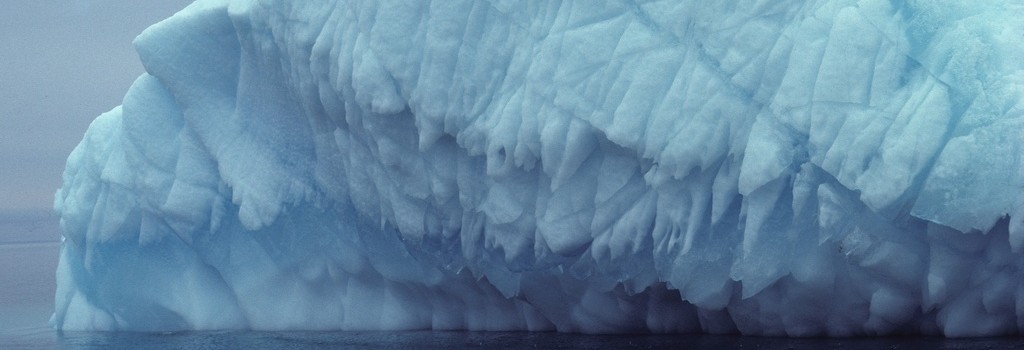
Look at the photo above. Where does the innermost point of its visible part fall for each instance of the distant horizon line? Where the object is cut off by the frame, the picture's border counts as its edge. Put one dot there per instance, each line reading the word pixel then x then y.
pixel 23 210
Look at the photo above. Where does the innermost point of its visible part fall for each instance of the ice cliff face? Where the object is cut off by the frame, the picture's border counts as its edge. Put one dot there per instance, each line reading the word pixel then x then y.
pixel 767 167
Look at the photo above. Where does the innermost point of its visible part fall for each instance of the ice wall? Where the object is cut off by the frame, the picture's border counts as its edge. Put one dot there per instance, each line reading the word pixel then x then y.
pixel 765 167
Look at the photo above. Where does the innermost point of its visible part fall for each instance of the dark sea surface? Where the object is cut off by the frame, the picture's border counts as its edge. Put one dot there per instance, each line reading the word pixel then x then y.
pixel 29 248
pixel 48 339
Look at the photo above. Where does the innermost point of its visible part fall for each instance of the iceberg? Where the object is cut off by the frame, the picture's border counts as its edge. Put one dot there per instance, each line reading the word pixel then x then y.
pixel 796 168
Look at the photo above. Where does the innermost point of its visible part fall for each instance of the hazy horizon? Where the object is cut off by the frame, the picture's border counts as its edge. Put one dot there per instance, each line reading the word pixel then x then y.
pixel 65 62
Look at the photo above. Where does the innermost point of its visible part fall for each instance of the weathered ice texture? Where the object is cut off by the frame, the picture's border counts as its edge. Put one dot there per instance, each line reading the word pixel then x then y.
pixel 772 167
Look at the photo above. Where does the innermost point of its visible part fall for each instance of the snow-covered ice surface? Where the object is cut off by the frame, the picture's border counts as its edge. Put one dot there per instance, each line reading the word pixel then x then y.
pixel 767 167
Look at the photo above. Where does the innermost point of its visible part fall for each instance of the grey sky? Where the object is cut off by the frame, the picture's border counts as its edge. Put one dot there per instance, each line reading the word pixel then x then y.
pixel 62 63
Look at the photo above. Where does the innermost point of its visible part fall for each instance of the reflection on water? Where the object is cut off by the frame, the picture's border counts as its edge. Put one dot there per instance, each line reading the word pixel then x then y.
pixel 48 339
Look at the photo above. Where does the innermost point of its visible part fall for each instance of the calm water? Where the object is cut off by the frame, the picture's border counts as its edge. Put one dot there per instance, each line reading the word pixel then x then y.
pixel 28 259
pixel 47 339
pixel 28 264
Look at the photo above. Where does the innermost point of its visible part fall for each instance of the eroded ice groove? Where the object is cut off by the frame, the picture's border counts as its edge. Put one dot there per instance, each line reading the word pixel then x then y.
pixel 768 167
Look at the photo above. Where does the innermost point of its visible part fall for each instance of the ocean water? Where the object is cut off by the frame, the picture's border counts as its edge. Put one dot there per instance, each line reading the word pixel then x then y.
pixel 29 248
pixel 48 339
